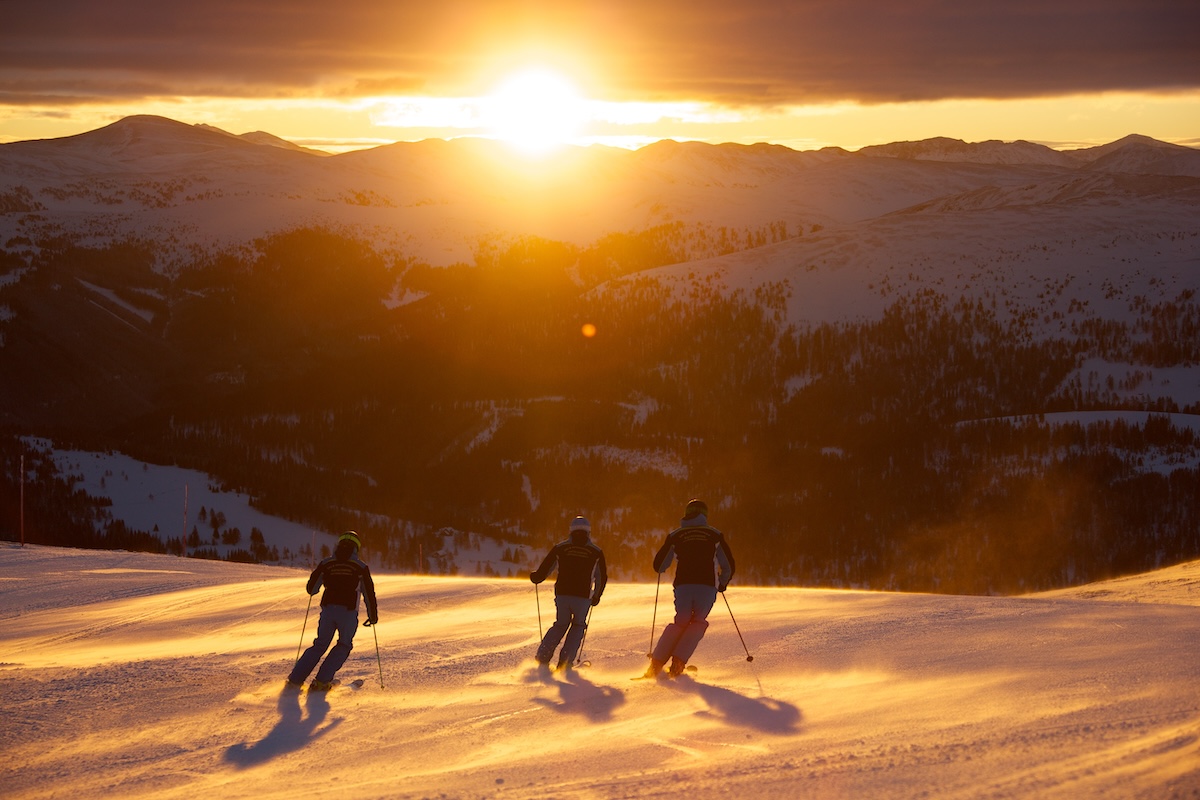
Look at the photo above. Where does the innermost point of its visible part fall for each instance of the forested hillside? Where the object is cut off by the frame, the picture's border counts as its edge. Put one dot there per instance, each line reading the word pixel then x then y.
pixel 346 387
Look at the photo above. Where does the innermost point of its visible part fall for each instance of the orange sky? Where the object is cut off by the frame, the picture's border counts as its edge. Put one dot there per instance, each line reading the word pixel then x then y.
pixel 801 73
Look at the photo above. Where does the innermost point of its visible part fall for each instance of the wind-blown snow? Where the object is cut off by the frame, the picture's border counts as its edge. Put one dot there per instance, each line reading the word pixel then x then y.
pixel 144 676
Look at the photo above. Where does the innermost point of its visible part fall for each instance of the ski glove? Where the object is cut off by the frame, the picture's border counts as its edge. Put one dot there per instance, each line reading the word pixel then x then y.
pixel 596 600
pixel 536 579
pixel 371 621
pixel 722 587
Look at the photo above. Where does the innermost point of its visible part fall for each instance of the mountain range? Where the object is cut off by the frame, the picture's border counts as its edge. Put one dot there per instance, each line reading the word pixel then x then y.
pixel 820 341
pixel 194 187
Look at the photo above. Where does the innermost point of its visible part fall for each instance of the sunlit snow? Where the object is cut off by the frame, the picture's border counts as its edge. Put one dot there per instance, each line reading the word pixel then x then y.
pixel 144 676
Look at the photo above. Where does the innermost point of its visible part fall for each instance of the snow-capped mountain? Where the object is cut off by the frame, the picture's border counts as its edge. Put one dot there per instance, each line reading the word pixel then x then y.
pixel 392 337
pixel 196 188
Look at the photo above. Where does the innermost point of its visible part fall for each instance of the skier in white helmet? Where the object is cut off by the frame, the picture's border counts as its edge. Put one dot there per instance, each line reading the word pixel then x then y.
pixel 582 575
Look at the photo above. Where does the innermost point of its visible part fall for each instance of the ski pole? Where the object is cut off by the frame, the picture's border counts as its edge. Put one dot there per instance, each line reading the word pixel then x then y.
pixel 377 656
pixel 736 628
pixel 310 597
pixel 654 619
pixel 583 641
pixel 538 597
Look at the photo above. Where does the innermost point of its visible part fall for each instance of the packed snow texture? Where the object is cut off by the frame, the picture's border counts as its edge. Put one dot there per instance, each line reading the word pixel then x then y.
pixel 145 676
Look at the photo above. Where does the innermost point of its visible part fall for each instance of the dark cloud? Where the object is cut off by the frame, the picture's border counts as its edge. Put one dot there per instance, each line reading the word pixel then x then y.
pixel 748 51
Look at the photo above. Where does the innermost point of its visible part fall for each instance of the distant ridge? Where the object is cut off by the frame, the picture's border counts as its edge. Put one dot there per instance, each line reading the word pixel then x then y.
pixel 992 151
pixel 148 143
pixel 271 140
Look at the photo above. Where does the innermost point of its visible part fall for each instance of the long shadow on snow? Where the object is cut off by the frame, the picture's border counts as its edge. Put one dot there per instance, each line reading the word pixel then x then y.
pixel 761 713
pixel 293 730
pixel 578 695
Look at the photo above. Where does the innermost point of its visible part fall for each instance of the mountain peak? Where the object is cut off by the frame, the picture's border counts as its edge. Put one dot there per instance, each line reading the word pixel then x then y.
pixel 1140 154
pixel 145 142
pixel 1132 140
pixel 147 136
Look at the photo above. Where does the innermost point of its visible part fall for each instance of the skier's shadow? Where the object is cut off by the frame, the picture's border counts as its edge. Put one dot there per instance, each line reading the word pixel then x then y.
pixel 762 713
pixel 578 695
pixel 293 730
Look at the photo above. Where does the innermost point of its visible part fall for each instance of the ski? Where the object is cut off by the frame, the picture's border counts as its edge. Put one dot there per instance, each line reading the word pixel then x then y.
pixel 664 674
pixel 334 684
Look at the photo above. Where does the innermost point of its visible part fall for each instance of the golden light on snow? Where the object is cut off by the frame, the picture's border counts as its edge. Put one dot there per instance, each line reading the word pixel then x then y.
pixel 162 677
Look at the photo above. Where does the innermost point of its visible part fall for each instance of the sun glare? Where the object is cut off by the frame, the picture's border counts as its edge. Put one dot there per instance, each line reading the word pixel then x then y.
pixel 535 110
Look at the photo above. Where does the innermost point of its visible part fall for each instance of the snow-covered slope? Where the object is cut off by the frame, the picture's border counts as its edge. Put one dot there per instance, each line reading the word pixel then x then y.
pixel 140 676
pixel 172 502
pixel 1061 249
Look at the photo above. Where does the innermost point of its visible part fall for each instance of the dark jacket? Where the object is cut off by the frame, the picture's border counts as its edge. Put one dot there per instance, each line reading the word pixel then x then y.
pixel 579 562
pixel 704 556
pixel 344 577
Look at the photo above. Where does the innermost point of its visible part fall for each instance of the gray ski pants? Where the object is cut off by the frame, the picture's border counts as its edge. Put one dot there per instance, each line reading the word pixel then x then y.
pixel 570 619
pixel 682 636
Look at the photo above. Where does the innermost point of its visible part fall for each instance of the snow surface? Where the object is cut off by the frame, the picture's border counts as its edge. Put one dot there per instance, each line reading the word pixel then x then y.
pixel 145 676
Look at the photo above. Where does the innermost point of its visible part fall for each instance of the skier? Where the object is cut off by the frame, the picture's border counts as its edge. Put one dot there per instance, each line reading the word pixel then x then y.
pixel 344 577
pixel 705 567
pixel 580 562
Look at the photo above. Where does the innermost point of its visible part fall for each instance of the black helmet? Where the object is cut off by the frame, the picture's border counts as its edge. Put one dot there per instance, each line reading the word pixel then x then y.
pixel 695 507
pixel 352 537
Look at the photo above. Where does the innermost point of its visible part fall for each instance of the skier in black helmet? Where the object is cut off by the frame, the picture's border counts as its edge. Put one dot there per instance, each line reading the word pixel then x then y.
pixel 705 565
pixel 580 563
pixel 344 577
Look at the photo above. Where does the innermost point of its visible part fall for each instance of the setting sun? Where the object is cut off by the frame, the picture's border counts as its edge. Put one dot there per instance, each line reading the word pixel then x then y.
pixel 535 110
